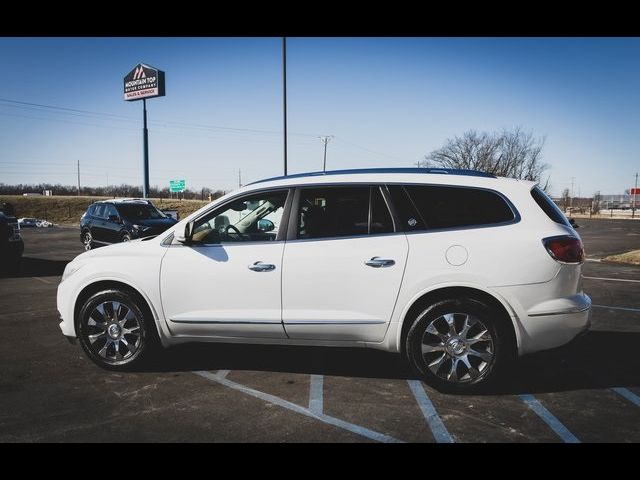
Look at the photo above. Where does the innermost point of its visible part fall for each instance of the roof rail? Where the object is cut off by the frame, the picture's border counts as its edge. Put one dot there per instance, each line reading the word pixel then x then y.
pixel 438 171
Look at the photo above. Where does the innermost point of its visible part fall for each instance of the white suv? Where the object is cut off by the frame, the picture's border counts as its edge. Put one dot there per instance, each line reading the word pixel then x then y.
pixel 459 271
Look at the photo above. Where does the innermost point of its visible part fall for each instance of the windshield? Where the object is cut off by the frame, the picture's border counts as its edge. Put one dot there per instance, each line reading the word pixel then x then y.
pixel 140 211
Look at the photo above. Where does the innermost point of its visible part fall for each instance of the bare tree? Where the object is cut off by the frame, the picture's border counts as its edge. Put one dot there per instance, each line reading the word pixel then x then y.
pixel 566 199
pixel 509 153
pixel 595 203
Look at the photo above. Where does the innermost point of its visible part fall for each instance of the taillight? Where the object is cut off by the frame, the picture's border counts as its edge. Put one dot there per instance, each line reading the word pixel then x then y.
pixel 565 248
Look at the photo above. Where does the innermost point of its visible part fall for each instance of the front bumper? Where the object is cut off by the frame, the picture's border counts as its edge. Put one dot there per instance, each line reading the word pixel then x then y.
pixel 65 310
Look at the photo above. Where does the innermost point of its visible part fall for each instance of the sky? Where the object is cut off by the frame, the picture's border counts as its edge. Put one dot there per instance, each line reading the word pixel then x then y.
pixel 387 101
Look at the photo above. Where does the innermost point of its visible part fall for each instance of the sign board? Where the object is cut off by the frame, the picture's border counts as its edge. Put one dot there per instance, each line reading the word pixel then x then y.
pixel 143 81
pixel 635 191
pixel 176 185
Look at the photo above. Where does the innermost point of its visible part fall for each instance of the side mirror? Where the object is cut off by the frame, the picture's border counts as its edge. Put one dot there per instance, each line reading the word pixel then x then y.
pixel 573 223
pixel 185 236
pixel 265 225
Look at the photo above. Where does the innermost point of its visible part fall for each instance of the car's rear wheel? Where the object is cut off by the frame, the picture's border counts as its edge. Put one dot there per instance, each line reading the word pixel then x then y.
pixel 126 237
pixel 114 331
pixel 87 240
pixel 459 345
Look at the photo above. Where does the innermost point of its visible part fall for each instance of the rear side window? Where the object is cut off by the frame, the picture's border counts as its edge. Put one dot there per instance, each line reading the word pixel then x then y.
pixel 91 209
pixel 548 207
pixel 455 207
pixel 342 212
pixel 410 218
pixel 381 221
pixel 99 210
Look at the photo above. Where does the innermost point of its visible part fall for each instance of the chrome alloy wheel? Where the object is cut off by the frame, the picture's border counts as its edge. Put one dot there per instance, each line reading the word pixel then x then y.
pixel 113 331
pixel 458 347
pixel 86 240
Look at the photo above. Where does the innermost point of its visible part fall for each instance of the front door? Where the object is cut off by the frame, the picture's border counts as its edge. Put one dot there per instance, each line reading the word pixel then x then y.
pixel 226 283
pixel 342 273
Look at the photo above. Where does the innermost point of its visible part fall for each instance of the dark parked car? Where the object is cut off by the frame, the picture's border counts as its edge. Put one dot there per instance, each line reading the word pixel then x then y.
pixel 11 244
pixel 114 221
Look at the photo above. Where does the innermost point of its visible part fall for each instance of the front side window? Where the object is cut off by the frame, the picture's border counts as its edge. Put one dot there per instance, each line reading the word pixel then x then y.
pixel 342 212
pixel 254 218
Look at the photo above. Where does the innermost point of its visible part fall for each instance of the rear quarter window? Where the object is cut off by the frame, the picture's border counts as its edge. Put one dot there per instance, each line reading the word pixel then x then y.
pixel 458 207
pixel 548 207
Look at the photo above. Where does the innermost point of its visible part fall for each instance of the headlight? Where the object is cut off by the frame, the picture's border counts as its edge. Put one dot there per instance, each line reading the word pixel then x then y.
pixel 142 228
pixel 70 269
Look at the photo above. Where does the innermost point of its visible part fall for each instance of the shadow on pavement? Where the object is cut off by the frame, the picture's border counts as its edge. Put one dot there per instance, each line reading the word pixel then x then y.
pixel 38 267
pixel 597 360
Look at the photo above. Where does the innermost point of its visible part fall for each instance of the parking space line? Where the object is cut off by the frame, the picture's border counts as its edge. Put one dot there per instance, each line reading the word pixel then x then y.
pixel 626 309
pixel 440 432
pixel 315 393
pixel 43 280
pixel 223 373
pixel 612 279
pixel 628 394
pixel 336 422
pixel 555 424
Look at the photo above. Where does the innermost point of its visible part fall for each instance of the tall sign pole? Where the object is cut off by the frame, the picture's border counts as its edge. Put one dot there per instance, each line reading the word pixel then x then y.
pixel 145 148
pixel 143 82
pixel 284 98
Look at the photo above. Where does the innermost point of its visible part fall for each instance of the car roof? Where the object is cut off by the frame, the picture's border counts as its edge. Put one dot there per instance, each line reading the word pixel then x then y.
pixel 360 171
pixel 431 176
pixel 141 201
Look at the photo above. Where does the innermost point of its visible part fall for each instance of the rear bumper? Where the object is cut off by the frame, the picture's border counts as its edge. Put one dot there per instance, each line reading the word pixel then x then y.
pixel 546 329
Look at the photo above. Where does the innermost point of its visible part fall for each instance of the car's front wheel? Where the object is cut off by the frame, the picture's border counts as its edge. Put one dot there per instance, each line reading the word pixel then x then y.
pixel 459 345
pixel 114 331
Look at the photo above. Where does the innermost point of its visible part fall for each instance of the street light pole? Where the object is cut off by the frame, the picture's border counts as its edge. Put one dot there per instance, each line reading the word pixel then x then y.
pixel 284 98
pixel 633 210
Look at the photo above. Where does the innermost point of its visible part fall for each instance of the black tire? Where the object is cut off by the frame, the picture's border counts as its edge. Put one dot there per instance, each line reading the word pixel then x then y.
pixel 435 367
pixel 87 240
pixel 143 344
pixel 125 237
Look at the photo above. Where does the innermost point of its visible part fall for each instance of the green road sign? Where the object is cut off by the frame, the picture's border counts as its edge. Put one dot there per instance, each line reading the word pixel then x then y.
pixel 176 186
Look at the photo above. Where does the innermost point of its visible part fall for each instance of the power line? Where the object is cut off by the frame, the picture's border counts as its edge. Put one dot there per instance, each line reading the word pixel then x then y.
pixel 79 112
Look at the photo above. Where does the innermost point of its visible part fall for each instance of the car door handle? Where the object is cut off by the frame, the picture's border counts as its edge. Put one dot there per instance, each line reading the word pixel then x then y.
pixel 262 267
pixel 378 262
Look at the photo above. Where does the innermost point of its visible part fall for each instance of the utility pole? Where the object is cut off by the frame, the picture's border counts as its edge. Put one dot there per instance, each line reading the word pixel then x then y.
pixel 571 200
pixel 325 139
pixel 284 98
pixel 239 178
pixel 633 210
pixel 78 177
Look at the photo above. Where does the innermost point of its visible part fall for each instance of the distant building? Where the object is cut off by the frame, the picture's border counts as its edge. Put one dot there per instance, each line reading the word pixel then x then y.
pixel 622 201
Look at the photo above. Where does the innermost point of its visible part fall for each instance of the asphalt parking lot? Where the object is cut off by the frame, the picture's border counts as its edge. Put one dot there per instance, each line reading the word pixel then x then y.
pixel 588 391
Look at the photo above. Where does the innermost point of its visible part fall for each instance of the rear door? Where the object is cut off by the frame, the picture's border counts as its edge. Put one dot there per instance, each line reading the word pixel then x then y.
pixel 112 227
pixel 98 223
pixel 343 264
